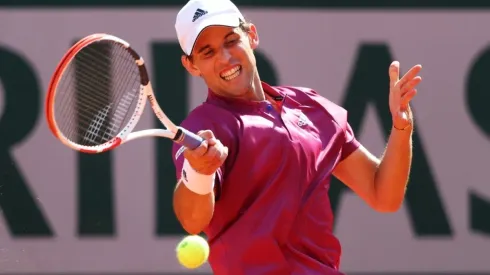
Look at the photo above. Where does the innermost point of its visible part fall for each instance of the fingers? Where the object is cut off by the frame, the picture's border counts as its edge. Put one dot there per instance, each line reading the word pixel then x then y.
pixel 207 135
pixel 216 154
pixel 394 73
pixel 406 98
pixel 209 140
pixel 199 151
pixel 411 85
pixel 410 75
pixel 209 156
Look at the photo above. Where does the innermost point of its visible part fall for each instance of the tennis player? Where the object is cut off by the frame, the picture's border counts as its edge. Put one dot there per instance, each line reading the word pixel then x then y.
pixel 258 185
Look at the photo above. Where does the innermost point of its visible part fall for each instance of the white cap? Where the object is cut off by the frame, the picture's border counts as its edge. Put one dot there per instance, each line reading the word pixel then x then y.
pixel 196 15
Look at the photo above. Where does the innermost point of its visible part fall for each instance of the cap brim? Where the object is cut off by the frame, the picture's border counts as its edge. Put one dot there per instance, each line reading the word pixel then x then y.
pixel 226 20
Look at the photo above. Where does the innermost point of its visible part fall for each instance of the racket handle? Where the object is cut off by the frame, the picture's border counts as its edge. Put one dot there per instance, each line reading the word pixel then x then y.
pixel 188 138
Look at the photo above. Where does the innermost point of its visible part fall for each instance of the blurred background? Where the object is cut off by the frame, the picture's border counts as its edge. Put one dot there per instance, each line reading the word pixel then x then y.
pixel 67 213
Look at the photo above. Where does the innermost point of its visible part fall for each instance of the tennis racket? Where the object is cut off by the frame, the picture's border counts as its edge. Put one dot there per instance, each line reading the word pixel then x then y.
pixel 97 95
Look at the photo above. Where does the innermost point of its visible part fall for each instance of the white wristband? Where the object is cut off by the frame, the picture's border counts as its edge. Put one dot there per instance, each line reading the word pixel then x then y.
pixel 196 182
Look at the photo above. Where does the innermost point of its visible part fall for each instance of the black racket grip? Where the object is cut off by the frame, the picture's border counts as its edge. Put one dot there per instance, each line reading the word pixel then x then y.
pixel 188 138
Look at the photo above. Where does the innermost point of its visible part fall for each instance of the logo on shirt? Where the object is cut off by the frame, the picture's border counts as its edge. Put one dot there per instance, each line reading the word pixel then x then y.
pixel 302 120
pixel 198 14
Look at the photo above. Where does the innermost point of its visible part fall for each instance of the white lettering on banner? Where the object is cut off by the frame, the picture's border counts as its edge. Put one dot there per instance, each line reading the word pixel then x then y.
pixel 310 48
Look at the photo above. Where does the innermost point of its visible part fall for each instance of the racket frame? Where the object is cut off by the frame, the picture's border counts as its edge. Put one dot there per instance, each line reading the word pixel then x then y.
pixel 177 134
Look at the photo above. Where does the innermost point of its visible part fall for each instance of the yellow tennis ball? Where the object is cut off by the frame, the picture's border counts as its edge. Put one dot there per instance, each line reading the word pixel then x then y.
pixel 192 251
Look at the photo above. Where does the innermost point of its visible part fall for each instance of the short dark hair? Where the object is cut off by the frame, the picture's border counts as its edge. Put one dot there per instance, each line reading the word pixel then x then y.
pixel 244 26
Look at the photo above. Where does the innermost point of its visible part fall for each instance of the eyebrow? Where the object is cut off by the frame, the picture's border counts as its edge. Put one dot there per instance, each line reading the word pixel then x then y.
pixel 202 49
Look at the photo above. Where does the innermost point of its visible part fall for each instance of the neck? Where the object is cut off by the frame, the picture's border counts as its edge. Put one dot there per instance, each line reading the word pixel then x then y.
pixel 256 92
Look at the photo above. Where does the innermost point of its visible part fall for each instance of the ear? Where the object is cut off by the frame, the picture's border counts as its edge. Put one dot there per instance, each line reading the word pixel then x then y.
pixel 189 66
pixel 253 37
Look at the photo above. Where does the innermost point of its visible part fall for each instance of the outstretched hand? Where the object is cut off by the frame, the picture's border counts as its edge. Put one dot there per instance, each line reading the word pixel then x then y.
pixel 402 91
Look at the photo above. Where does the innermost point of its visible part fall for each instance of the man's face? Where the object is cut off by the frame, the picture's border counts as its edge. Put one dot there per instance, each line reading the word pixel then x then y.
pixel 224 58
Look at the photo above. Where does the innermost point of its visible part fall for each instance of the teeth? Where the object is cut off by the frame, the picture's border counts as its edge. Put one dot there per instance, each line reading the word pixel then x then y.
pixel 232 73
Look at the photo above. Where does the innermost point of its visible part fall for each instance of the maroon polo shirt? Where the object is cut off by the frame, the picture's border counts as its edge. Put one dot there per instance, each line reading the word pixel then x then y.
pixel 273 214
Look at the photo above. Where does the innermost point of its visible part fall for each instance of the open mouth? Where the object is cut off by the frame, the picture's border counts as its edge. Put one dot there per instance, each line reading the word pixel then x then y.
pixel 231 73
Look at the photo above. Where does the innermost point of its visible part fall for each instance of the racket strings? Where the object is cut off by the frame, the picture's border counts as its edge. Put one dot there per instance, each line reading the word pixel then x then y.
pixel 97 94
pixel 82 83
pixel 93 98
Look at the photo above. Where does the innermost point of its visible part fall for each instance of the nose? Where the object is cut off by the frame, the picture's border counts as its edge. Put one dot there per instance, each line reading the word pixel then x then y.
pixel 225 55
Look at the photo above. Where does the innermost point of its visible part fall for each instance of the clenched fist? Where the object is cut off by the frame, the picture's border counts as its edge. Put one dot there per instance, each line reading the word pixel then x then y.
pixel 209 156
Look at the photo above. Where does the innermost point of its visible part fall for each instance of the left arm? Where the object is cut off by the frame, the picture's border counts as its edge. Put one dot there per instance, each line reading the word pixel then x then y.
pixel 382 182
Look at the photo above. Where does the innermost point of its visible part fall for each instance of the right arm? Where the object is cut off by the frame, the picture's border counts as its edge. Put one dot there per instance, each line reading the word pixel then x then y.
pixel 193 199
pixel 194 211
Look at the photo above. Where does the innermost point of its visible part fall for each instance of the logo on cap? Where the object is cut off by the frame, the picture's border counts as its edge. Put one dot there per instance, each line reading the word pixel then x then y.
pixel 198 14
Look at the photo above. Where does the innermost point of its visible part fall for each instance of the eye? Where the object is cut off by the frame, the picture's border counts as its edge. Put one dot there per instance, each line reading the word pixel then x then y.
pixel 231 42
pixel 208 53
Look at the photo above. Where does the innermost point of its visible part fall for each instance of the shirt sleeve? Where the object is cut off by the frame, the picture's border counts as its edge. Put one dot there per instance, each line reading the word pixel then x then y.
pixel 199 121
pixel 351 143
pixel 339 114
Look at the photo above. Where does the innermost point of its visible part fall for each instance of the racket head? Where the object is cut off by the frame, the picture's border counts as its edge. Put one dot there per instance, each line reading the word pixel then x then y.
pixel 97 94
